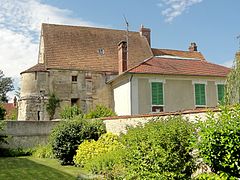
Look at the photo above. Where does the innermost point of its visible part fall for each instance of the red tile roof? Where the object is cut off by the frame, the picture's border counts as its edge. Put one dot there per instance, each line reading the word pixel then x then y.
pixel 178 53
pixel 173 66
pixel 9 107
pixel 36 68
pixel 76 47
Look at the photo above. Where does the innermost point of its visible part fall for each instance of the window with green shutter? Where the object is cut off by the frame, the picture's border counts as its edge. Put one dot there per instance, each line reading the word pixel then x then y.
pixel 200 95
pixel 157 93
pixel 220 91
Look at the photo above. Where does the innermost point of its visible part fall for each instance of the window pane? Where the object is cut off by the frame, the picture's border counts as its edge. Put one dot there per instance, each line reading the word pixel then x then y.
pixel 200 94
pixel 157 93
pixel 220 89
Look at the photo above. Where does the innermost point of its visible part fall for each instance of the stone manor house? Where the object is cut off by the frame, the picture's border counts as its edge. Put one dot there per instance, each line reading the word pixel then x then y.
pixel 87 66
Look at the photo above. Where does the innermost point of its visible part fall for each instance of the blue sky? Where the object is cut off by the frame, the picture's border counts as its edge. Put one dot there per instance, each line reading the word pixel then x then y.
pixel 212 24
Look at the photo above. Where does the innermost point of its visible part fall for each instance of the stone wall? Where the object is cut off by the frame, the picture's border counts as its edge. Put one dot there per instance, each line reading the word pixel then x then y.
pixel 27 134
pixel 88 90
pixel 31 133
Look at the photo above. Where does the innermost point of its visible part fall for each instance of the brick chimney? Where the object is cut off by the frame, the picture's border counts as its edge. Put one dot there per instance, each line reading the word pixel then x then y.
pixel 192 47
pixel 147 33
pixel 122 56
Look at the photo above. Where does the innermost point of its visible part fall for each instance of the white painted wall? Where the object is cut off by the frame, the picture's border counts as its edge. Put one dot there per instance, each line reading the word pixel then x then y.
pixel 122 99
pixel 134 96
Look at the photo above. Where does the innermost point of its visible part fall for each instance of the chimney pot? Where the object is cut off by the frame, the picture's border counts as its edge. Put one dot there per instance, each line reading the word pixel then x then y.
pixel 192 47
pixel 122 56
pixel 147 33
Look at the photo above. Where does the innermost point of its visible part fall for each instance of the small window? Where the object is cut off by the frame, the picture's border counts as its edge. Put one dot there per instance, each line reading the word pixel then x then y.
pixel 157 96
pixel 200 95
pixel 220 92
pixel 74 78
pixel 35 76
pixel 101 51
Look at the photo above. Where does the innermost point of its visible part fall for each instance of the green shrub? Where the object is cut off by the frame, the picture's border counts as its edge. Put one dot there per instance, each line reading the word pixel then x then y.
pixel 91 149
pixel 2 112
pixel 218 141
pixel 6 152
pixel 110 165
pixel 43 151
pixel 213 176
pixel 3 137
pixel 159 150
pixel 67 135
pixel 70 112
pixel 100 111
pixel 52 104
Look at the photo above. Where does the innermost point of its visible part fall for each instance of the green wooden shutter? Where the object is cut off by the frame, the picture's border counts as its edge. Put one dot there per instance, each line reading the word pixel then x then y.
pixel 200 97
pixel 220 90
pixel 157 93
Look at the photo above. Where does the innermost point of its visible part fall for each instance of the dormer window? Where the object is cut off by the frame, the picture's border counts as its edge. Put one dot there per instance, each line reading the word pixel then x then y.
pixel 101 51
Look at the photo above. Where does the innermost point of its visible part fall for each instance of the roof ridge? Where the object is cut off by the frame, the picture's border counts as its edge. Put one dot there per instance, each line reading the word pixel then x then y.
pixel 92 27
pixel 176 50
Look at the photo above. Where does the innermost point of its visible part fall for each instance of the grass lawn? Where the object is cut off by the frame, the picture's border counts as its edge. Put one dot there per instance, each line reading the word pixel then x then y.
pixel 33 168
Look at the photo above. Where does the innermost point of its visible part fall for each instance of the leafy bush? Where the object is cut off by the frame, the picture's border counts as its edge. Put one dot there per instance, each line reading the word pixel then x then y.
pixel 6 152
pixel 43 151
pixel 67 135
pixel 3 137
pixel 110 165
pixel 100 111
pixel 70 112
pixel 91 149
pixel 213 176
pixel 52 104
pixel 219 141
pixel 159 150
pixel 2 112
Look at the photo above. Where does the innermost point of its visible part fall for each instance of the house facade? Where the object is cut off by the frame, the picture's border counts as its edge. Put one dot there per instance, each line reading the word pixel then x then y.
pixel 88 66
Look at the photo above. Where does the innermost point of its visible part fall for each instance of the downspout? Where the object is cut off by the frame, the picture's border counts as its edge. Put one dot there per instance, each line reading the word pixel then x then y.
pixel 130 80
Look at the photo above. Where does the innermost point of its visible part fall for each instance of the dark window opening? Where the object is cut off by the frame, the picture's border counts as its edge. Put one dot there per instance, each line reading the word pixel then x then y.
pixel 38 115
pixel 74 101
pixel 35 75
pixel 74 78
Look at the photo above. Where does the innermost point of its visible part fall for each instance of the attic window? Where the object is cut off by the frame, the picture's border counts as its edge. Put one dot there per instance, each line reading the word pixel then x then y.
pixel 101 51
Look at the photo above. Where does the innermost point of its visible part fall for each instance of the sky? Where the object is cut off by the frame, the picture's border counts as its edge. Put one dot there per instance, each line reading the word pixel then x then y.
pixel 212 24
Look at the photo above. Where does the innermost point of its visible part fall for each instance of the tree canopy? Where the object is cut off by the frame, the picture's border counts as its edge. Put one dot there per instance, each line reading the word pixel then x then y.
pixel 6 85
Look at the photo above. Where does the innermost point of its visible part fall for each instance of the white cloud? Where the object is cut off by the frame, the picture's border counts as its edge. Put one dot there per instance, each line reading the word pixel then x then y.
pixel 20 22
pixel 174 8
pixel 228 63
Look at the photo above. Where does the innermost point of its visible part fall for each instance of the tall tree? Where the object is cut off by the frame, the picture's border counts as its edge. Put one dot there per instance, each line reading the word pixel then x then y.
pixel 6 85
pixel 232 89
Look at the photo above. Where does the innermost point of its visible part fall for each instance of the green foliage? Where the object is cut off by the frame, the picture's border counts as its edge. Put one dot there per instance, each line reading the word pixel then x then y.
pixel 3 137
pixel 43 151
pixel 67 135
pixel 6 152
pixel 100 111
pixel 232 89
pixel 219 141
pixel 159 150
pixel 52 104
pixel 109 164
pixel 6 85
pixel 91 149
pixel 213 176
pixel 2 112
pixel 70 112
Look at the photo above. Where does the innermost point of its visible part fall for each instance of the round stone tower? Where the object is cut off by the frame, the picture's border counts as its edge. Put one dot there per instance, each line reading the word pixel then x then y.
pixel 33 95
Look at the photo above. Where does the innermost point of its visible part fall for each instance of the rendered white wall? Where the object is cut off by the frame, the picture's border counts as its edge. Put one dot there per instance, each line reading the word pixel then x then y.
pixel 122 99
